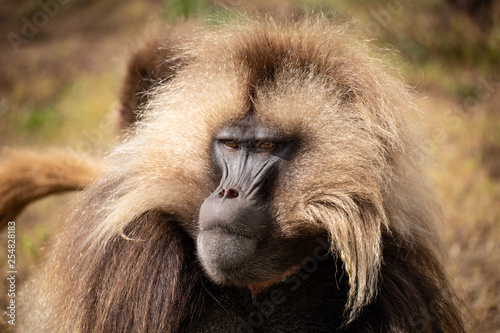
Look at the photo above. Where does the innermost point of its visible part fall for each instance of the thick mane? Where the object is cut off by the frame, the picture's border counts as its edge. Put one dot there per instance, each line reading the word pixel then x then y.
pixel 127 255
pixel 372 155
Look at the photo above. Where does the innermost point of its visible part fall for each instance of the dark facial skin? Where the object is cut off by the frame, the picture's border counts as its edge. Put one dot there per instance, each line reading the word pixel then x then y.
pixel 238 241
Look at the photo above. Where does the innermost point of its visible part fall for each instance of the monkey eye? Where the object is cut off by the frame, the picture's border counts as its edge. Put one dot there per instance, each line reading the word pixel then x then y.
pixel 266 145
pixel 231 144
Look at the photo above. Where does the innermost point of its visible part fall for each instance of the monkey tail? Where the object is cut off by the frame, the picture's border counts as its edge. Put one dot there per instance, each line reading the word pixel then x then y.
pixel 26 176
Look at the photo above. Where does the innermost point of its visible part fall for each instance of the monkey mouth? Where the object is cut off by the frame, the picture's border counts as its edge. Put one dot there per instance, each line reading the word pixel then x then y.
pixel 233 257
pixel 227 230
pixel 223 252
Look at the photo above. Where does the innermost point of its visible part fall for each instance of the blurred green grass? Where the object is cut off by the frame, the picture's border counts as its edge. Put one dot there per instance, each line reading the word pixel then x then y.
pixel 62 86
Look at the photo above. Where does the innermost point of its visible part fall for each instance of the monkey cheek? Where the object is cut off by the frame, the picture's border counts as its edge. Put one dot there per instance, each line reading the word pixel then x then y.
pixel 225 256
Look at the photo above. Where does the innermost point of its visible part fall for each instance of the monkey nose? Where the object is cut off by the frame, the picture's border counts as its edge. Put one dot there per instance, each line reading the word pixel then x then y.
pixel 229 193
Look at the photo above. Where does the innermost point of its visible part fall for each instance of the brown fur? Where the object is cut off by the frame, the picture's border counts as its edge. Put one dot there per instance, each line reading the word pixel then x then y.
pixel 154 63
pixel 26 176
pixel 127 261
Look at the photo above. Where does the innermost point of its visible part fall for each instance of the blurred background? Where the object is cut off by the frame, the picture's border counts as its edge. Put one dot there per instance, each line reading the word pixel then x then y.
pixel 62 62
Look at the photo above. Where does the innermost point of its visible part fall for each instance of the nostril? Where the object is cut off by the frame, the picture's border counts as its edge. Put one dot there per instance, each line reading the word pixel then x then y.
pixel 229 193
pixel 232 193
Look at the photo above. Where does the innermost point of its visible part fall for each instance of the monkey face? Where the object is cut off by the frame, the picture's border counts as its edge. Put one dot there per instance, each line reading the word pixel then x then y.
pixel 238 242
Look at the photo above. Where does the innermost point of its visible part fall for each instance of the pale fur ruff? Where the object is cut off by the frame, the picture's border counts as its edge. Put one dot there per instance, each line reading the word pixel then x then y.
pixel 368 160
pixel 357 172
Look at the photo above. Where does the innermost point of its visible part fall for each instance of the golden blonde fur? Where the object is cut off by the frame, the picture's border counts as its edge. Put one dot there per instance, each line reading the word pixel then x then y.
pixel 357 175
pixel 26 175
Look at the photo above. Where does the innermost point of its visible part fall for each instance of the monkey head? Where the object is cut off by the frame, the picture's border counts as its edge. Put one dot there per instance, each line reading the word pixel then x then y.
pixel 238 241
pixel 262 138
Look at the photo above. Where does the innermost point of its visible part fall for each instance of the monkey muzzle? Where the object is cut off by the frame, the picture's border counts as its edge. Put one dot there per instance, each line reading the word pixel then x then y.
pixel 235 219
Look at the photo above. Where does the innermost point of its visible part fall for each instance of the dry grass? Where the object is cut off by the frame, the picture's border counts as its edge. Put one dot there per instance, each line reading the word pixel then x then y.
pixel 470 195
pixel 60 87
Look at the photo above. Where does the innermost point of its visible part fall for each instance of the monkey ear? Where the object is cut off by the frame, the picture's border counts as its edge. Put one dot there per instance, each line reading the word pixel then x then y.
pixel 155 62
